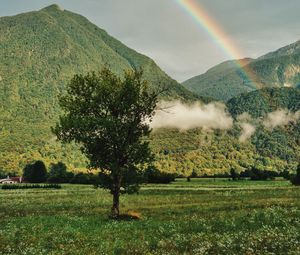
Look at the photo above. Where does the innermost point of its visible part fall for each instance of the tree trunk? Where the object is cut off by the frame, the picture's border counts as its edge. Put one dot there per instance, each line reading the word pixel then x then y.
pixel 116 201
pixel 116 197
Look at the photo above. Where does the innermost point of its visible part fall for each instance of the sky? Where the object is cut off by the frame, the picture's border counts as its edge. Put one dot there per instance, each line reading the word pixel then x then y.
pixel 165 32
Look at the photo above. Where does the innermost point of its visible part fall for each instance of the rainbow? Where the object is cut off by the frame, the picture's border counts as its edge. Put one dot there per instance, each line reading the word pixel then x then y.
pixel 220 38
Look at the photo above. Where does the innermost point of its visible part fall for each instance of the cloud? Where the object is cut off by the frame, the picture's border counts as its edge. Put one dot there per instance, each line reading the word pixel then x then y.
pixel 273 119
pixel 247 131
pixel 280 118
pixel 183 117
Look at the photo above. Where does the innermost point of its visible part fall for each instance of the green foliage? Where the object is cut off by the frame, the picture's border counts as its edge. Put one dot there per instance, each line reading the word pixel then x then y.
pixel 295 180
pixel 35 172
pixel 260 102
pixel 234 175
pixel 108 117
pixel 30 186
pixel 83 178
pixel 58 173
pixel 256 174
pixel 281 142
pixel 153 175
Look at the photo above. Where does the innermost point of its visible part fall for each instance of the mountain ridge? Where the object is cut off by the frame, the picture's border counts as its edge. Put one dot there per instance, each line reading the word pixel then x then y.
pixel 40 52
pixel 279 68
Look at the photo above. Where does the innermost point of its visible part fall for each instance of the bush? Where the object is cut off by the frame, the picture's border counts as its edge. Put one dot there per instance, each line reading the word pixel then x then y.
pixel 153 175
pixel 31 186
pixel 58 173
pixel 295 180
pixel 35 173
pixel 234 174
pixel 256 174
pixel 83 178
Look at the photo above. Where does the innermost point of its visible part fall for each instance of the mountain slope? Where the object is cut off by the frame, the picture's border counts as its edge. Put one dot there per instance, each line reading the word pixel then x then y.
pixel 221 82
pixel 39 52
pixel 280 68
pixel 260 102
pixel 282 141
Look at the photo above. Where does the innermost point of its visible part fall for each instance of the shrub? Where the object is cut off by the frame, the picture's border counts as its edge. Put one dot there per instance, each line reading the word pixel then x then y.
pixel 58 173
pixel 36 172
pixel 83 178
pixel 30 186
pixel 256 174
pixel 234 174
pixel 295 180
pixel 153 175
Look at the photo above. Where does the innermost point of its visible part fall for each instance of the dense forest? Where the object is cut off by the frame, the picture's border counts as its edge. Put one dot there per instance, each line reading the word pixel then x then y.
pixel 42 50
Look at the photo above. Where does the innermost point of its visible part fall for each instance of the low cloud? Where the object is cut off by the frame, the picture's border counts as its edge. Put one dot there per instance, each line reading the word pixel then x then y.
pixel 280 118
pixel 248 129
pixel 178 115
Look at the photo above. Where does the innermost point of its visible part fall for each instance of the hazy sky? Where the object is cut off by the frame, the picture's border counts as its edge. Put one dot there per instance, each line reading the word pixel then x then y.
pixel 180 46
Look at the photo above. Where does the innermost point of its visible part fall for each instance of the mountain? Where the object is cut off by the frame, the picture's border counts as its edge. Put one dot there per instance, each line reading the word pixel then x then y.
pixel 282 141
pixel 280 68
pixel 261 102
pixel 40 51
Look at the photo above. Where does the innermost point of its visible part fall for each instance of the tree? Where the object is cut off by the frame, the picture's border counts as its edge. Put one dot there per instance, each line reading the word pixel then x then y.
pixel 58 173
pixel 109 117
pixel 35 172
pixel 234 174
pixel 295 180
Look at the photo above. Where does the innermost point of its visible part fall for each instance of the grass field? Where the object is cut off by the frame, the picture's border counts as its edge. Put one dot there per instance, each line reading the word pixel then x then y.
pixel 204 216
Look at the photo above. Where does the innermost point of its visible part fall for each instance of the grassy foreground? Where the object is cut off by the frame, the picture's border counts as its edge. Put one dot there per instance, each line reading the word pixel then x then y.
pixel 199 217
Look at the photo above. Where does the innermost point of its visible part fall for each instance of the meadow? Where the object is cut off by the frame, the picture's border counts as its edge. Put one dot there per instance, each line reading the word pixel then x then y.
pixel 204 216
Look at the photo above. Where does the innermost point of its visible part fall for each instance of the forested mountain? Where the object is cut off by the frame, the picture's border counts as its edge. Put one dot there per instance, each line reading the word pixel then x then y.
pixel 221 82
pixel 280 68
pixel 216 152
pixel 282 141
pixel 39 52
pixel 260 102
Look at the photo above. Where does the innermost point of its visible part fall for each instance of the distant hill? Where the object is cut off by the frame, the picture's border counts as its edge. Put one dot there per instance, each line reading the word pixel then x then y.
pixel 280 68
pixel 260 102
pixel 40 51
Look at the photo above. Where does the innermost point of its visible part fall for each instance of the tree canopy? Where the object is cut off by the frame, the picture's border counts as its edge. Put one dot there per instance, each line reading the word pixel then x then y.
pixel 108 116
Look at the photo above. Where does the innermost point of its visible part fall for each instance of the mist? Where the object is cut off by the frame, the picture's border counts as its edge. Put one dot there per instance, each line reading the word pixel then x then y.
pixel 248 129
pixel 182 116
pixel 280 118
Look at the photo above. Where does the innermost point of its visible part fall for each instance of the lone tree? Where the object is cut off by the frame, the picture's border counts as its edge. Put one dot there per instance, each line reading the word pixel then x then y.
pixel 108 116
pixel 35 172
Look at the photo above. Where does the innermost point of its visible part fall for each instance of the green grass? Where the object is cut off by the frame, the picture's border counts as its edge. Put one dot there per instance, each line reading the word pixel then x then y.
pixel 204 216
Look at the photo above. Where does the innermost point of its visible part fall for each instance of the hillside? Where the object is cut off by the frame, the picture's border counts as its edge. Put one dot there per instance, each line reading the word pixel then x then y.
pixel 221 82
pixel 280 68
pixel 260 102
pixel 218 151
pixel 282 141
pixel 40 51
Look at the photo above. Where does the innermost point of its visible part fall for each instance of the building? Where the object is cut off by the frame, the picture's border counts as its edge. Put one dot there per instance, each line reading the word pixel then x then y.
pixel 11 180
